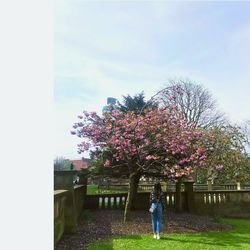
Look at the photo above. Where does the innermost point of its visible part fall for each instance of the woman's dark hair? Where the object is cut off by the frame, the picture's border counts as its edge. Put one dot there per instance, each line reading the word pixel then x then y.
pixel 157 188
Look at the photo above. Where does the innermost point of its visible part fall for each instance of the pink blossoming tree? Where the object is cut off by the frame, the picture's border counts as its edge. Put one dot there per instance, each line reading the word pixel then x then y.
pixel 159 138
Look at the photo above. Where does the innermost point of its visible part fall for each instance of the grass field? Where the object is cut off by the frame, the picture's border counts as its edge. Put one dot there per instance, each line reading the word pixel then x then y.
pixel 238 238
pixel 93 189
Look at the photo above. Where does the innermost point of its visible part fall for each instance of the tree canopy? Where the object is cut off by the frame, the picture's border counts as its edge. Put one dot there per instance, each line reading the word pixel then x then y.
pixel 161 139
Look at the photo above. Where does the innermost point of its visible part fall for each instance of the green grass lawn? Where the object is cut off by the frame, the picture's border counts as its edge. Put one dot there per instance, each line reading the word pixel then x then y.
pixel 238 238
pixel 92 189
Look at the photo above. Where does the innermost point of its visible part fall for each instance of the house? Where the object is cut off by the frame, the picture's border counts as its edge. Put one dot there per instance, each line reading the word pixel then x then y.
pixel 80 164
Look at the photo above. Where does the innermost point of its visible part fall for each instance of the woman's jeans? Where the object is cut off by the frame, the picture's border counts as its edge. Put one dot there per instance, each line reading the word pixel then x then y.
pixel 157 218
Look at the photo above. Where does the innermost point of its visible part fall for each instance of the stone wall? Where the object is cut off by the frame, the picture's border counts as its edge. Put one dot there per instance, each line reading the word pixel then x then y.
pixel 117 201
pixel 224 203
pixel 79 193
pixel 59 213
pixel 68 202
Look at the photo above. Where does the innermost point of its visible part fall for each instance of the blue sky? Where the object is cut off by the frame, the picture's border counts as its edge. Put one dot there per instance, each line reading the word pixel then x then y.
pixel 115 48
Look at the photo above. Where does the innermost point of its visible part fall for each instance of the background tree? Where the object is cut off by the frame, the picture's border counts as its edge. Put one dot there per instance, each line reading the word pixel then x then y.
pixel 194 101
pixel 226 152
pixel 245 129
pixel 99 172
pixel 233 156
pixel 135 104
pixel 60 163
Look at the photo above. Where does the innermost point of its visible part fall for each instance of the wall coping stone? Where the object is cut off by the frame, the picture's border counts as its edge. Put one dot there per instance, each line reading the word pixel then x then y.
pixel 59 192
pixel 222 191
pixel 78 186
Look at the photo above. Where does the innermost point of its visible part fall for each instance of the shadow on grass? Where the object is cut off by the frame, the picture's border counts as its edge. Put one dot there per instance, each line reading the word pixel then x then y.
pixel 213 240
pixel 234 238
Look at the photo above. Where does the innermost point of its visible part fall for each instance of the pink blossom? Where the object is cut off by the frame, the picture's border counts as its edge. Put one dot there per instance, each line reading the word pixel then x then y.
pixel 160 134
pixel 219 167
pixel 202 157
pixel 151 157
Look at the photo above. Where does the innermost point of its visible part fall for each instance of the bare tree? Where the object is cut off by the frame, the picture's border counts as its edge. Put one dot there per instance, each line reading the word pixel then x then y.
pixel 60 163
pixel 245 128
pixel 193 100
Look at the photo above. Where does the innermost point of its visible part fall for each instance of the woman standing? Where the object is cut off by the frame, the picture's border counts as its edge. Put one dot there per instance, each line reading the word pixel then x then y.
pixel 157 206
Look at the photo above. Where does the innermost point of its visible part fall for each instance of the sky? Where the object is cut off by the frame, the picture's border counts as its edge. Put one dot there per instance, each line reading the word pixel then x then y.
pixel 115 48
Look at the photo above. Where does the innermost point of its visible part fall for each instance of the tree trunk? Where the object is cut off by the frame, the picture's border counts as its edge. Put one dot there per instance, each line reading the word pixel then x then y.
pixel 136 183
pixel 133 185
pixel 178 204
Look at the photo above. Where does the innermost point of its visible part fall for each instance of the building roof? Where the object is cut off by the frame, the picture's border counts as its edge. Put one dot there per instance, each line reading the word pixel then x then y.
pixel 79 164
